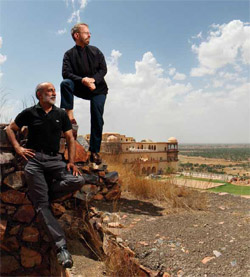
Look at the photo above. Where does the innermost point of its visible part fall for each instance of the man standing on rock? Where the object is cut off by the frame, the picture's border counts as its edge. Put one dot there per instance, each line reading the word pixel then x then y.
pixel 84 68
pixel 45 123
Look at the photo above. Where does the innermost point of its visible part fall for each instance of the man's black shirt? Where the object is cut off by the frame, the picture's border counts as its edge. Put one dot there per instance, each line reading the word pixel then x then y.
pixel 44 129
pixel 81 62
pixel 84 59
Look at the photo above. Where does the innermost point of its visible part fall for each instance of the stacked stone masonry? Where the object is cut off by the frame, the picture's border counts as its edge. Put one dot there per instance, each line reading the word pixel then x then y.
pixel 25 248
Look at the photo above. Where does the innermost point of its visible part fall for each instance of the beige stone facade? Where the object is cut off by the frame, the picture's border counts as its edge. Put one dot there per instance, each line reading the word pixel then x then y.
pixel 149 156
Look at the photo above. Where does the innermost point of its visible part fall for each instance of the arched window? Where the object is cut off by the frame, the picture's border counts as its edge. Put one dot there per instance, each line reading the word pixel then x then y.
pixel 148 170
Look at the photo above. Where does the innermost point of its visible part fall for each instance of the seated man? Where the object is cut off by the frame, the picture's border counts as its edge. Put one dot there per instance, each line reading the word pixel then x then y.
pixel 84 68
pixel 45 123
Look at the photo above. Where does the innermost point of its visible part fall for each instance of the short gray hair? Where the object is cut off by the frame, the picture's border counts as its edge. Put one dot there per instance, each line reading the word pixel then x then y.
pixel 40 87
pixel 75 29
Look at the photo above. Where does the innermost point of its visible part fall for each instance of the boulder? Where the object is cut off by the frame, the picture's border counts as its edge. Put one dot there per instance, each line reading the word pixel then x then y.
pixel 25 214
pixel 30 234
pixel 57 209
pixel 81 154
pixel 8 264
pixel 15 180
pixel 6 158
pixel 111 177
pixel 3 225
pixel 11 243
pixel 4 141
pixel 30 258
pixel 14 197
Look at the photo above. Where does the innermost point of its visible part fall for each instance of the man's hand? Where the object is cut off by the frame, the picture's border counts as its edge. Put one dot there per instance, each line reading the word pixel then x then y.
pixel 92 86
pixel 74 168
pixel 89 82
pixel 25 152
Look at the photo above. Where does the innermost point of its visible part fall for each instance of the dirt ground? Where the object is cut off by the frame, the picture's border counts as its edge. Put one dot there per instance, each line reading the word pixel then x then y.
pixel 85 265
pixel 213 242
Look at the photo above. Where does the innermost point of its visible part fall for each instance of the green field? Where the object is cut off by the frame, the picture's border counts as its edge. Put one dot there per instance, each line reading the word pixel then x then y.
pixel 227 187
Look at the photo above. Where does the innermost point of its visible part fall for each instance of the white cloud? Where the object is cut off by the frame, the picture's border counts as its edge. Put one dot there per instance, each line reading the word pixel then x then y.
pixel 201 71
pixel 61 32
pixel 83 4
pixel 75 16
pixel 228 79
pixel 77 7
pixel 2 59
pixel 171 71
pixel 226 44
pixel 179 76
pixel 197 36
pixel 145 104
pixel 113 60
pixel 218 83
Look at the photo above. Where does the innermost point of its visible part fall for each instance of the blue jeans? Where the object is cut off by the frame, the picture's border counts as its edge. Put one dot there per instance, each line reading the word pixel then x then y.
pixel 97 101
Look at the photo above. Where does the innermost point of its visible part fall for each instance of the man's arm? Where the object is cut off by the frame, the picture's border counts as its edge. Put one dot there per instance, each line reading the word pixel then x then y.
pixel 24 152
pixel 67 71
pixel 71 152
pixel 102 69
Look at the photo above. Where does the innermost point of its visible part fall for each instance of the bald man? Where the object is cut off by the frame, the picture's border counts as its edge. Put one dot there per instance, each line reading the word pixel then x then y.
pixel 45 123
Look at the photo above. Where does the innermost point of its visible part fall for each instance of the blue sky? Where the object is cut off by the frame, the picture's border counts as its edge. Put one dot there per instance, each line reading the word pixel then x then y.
pixel 175 68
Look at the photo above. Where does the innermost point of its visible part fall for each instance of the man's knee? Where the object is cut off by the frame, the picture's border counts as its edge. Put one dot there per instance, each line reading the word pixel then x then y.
pixel 77 181
pixel 68 183
pixel 67 84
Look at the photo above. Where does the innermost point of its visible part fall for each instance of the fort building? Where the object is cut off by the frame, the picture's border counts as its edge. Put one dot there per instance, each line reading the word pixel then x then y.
pixel 150 157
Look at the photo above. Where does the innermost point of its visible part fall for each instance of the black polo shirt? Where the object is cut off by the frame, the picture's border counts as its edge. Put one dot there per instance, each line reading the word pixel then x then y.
pixel 44 128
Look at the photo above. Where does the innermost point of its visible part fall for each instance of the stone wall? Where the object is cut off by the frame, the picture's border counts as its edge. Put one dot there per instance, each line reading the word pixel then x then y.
pixel 25 248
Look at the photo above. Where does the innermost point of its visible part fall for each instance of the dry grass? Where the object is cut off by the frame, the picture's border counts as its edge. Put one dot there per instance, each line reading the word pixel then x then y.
pixel 119 263
pixel 149 189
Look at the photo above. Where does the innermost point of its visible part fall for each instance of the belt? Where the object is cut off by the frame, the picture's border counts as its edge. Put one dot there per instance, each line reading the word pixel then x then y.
pixel 50 153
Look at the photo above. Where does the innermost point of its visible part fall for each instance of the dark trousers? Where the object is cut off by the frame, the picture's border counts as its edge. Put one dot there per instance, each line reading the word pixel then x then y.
pixel 68 90
pixel 38 171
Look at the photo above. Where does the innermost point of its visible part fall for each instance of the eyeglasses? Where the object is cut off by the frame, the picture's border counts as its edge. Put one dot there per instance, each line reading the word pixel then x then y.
pixel 86 33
